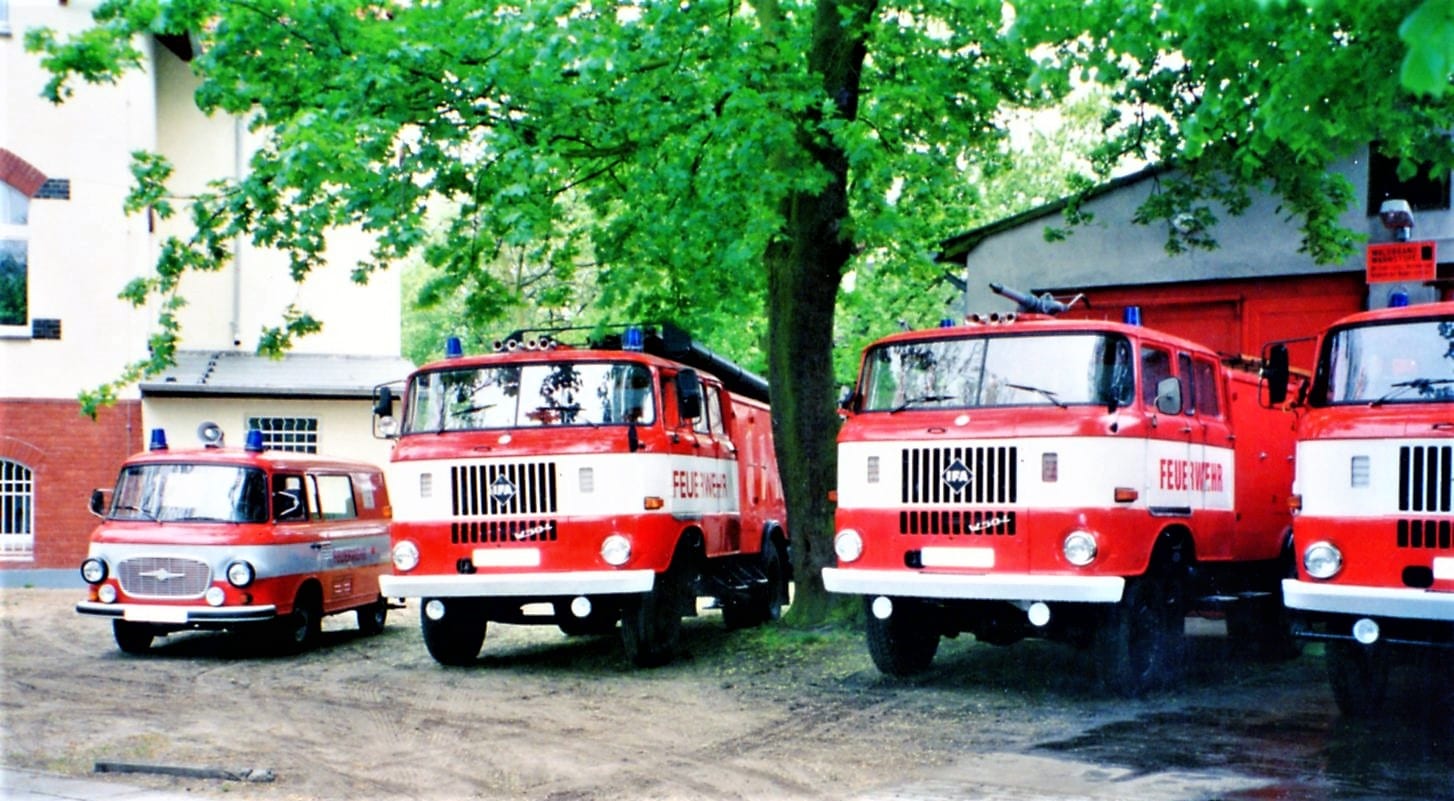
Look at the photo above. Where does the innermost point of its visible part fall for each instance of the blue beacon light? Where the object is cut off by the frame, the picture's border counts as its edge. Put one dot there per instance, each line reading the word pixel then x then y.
pixel 1131 315
pixel 158 440
pixel 254 440
pixel 633 339
pixel 453 348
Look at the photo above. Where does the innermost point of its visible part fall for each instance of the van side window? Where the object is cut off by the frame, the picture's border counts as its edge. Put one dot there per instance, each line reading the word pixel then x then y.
pixel 1205 380
pixel 1155 367
pixel 335 497
pixel 290 502
pixel 1183 369
pixel 714 410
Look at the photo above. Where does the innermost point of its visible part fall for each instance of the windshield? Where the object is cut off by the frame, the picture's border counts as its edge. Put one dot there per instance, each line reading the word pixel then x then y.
pixel 1409 361
pixel 190 492
pixel 531 395
pixel 1034 370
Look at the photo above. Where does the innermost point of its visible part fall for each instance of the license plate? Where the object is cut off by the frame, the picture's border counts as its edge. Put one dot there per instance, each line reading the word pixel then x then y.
pixel 1444 568
pixel 155 614
pixel 981 558
pixel 507 557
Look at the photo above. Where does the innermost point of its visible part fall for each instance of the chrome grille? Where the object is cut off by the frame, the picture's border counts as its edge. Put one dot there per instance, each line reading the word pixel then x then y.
pixel 1428 534
pixel 961 475
pixel 503 489
pixel 502 531
pixel 957 522
pixel 164 577
pixel 1424 478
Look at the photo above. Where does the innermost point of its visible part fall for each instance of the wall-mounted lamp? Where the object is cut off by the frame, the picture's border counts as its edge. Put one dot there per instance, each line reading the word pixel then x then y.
pixel 1397 217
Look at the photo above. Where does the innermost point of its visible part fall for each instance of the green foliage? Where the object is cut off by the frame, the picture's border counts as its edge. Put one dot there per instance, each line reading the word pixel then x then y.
pixel 1429 34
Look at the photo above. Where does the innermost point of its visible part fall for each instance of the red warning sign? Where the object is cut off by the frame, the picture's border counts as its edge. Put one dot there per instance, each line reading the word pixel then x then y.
pixel 1400 261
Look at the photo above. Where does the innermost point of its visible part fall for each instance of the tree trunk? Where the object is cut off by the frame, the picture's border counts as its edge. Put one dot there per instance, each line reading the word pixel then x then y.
pixel 804 271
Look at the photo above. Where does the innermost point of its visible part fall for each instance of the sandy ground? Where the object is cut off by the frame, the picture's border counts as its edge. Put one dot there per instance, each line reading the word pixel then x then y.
pixel 767 713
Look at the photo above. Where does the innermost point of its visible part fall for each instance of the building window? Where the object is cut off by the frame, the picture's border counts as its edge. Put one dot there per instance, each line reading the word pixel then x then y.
pixel 4 17
pixel 14 262
pixel 17 511
pixel 1422 192
pixel 295 434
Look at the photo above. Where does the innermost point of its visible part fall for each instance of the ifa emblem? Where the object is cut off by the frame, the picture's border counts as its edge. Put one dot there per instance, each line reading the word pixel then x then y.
pixel 956 476
pixel 502 490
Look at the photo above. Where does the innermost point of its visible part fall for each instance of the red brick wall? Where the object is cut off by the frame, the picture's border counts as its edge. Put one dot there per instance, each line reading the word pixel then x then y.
pixel 68 455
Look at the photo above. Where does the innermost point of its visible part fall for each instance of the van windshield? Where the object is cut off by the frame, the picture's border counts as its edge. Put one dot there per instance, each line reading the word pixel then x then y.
pixel 190 492
pixel 1408 361
pixel 530 396
pixel 1003 370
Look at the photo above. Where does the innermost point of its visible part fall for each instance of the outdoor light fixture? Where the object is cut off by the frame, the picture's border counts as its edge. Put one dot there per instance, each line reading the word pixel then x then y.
pixel 1398 217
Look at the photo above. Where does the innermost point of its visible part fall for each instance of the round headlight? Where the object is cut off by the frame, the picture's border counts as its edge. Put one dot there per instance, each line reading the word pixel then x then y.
pixel 1322 560
pixel 615 550
pixel 1079 548
pixel 848 546
pixel 107 593
pixel 93 571
pixel 214 595
pixel 406 556
pixel 240 574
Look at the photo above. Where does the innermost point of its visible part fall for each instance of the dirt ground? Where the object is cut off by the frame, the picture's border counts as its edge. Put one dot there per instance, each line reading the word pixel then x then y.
pixel 768 713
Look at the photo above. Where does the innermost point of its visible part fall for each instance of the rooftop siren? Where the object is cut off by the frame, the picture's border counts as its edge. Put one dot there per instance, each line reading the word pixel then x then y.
pixel 634 339
pixel 1131 315
pixel 254 440
pixel 945 322
pixel 1034 304
pixel 158 440
pixel 453 348
pixel 210 433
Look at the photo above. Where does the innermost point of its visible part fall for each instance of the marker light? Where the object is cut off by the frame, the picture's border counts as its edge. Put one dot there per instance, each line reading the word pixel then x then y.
pixel 254 440
pixel 633 339
pixel 453 348
pixel 158 440
pixel 1322 560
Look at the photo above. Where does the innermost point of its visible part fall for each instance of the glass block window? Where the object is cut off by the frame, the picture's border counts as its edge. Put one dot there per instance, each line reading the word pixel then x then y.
pixel 17 511
pixel 295 434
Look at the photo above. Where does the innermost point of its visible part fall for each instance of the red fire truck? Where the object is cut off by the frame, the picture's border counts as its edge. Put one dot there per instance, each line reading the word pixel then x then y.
pixel 229 538
pixel 582 486
pixel 1090 482
pixel 1375 469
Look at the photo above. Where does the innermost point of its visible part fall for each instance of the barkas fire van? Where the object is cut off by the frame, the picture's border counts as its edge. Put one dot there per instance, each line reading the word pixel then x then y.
pixel 237 538
pixel 1085 481
pixel 582 486
pixel 1375 498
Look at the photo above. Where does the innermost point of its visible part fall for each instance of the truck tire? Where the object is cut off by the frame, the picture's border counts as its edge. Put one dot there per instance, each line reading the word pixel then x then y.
pixel 904 644
pixel 1359 677
pixel 651 623
pixel 132 638
pixel 300 629
pixel 373 618
pixel 454 640
pixel 765 603
pixel 1139 642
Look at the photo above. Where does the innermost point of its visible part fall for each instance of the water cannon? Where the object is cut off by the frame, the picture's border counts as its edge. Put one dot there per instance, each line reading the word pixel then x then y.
pixel 1033 304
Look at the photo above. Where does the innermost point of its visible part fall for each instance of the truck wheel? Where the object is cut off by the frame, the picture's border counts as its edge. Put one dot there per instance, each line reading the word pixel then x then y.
pixel 300 629
pixel 456 638
pixel 1138 645
pixel 372 618
pixel 651 623
pixel 905 643
pixel 1359 677
pixel 132 638
pixel 601 620
pixel 765 603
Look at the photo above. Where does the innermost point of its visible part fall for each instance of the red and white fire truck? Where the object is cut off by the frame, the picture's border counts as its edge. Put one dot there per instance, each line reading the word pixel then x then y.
pixel 237 538
pixel 1086 481
pixel 582 486
pixel 1375 476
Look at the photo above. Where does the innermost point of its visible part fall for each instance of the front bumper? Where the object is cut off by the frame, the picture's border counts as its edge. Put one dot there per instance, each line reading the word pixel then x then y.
pixel 180 615
pixel 987 587
pixel 1368 601
pixel 528 585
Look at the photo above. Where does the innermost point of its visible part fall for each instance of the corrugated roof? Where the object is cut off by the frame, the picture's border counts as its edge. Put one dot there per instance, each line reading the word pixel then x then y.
pixel 239 373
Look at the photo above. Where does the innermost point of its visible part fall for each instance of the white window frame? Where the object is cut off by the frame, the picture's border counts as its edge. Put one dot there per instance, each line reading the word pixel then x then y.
pixel 288 433
pixel 17 512
pixel 14 216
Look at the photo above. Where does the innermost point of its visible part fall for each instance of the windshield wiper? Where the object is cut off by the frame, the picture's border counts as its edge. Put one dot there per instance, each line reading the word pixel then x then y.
pixel 142 512
pixel 920 399
pixel 1421 384
pixel 1045 393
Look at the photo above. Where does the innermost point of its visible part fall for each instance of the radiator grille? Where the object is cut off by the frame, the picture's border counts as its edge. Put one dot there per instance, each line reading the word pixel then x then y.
pixel 1431 534
pixel 1424 478
pixel 504 489
pixel 957 522
pixel 163 577
pixel 960 475
pixel 503 531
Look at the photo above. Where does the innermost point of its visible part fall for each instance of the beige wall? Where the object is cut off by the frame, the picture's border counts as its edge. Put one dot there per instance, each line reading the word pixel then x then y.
pixel 345 427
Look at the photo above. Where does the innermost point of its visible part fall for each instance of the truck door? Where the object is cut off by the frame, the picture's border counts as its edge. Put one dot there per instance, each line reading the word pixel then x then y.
pixel 1214 474
pixel 1169 445
pixel 342 538
pixel 715 475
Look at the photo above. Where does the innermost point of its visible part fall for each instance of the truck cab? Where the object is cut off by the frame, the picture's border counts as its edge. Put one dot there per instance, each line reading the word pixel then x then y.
pixel 237 538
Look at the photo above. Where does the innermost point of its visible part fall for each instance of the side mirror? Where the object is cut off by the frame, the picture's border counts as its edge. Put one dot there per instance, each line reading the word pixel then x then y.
pixel 100 499
pixel 1275 373
pixel 385 426
pixel 1168 395
pixel 689 395
pixel 847 401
